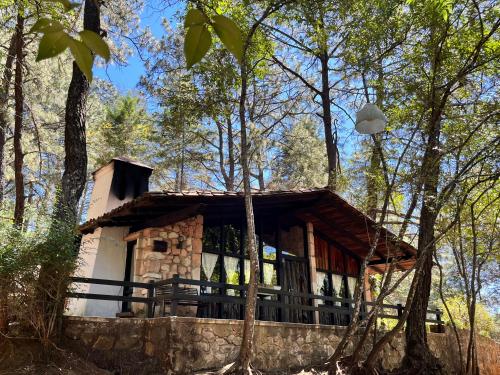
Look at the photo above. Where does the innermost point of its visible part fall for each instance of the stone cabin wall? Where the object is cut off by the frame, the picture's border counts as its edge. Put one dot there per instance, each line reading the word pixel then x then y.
pixel 184 345
pixel 182 256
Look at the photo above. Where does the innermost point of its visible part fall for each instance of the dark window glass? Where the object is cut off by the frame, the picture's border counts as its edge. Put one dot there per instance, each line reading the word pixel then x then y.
pixel 268 242
pixel 232 236
pixel 211 238
pixel 291 240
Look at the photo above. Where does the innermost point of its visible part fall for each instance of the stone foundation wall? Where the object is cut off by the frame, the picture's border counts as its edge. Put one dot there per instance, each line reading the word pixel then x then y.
pixel 183 345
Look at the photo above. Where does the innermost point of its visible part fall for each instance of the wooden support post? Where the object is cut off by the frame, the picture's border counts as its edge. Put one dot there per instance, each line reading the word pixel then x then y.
pixel 150 306
pixel 400 310
pixel 440 322
pixel 312 267
pixel 175 291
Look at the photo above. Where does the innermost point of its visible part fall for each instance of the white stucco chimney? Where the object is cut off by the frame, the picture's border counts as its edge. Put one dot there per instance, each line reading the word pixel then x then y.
pixel 103 253
pixel 116 183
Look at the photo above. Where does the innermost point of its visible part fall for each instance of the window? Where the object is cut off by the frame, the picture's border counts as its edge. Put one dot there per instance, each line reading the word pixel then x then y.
pixel 225 259
pixel 291 240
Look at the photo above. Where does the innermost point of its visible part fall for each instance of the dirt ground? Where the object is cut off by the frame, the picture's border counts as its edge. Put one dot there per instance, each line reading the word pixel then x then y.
pixel 27 356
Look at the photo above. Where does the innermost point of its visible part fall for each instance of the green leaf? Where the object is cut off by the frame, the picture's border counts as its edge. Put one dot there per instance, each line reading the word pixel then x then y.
pixel 194 17
pixel 52 44
pixel 230 34
pixel 83 57
pixel 96 44
pixel 68 5
pixel 45 25
pixel 196 44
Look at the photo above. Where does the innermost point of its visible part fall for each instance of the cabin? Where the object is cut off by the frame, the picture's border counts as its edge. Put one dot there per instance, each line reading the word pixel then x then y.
pixel 183 252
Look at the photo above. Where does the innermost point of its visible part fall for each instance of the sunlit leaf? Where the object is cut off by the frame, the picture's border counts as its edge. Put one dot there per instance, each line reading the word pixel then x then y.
pixel 68 5
pixel 96 44
pixel 194 17
pixel 45 25
pixel 83 57
pixel 196 44
pixel 230 34
pixel 52 44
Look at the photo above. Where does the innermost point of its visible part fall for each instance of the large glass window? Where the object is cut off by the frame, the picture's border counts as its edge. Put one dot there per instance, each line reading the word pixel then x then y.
pixel 225 252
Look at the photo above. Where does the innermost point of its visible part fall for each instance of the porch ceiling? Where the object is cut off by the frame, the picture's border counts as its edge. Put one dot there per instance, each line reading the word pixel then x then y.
pixel 332 216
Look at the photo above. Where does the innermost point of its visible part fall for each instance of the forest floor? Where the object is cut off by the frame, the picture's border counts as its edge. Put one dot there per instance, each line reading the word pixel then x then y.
pixel 29 357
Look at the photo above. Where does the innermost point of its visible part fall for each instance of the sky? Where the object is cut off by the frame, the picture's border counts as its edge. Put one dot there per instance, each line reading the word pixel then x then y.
pixel 125 78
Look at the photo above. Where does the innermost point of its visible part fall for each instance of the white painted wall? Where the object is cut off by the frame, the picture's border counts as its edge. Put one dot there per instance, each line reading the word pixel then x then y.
pixel 102 256
pixel 102 253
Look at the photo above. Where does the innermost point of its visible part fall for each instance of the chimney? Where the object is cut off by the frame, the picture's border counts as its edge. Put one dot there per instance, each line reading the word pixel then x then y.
pixel 116 183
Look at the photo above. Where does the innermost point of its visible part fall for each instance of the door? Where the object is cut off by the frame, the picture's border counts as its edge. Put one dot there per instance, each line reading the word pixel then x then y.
pixel 296 280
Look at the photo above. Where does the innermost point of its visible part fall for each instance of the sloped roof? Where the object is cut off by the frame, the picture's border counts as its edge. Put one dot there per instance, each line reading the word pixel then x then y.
pixel 330 214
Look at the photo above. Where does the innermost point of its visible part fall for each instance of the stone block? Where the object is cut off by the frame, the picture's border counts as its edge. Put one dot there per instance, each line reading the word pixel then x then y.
pixel 175 250
pixel 165 267
pixel 186 261
pixel 149 349
pixel 151 276
pixel 127 342
pixel 177 260
pixel 182 270
pixel 154 256
pixel 173 235
pixel 103 343
pixel 196 260
pixel 152 266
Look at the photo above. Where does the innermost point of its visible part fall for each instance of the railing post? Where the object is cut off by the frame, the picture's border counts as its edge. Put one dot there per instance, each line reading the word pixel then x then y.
pixel 440 322
pixel 150 306
pixel 175 289
pixel 400 310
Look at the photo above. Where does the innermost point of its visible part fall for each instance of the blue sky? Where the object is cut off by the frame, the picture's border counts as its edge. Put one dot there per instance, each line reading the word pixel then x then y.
pixel 125 78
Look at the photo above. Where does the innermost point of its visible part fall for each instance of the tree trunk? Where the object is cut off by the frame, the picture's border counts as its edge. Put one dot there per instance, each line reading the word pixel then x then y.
pixel 4 99
pixel 371 182
pixel 247 342
pixel 330 139
pixel 75 147
pixel 418 354
pixel 231 158
pixel 52 282
pixel 18 123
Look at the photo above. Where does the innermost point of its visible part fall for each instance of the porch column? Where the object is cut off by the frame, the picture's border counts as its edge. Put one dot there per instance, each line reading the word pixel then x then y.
pixel 312 265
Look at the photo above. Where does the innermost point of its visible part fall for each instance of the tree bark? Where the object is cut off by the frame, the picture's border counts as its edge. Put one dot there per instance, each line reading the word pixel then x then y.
pixel 330 139
pixel 247 342
pixel 75 147
pixel 4 99
pixel 18 123
pixel 418 354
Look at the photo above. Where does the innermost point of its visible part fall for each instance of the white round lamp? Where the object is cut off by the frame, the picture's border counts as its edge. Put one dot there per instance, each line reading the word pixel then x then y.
pixel 370 119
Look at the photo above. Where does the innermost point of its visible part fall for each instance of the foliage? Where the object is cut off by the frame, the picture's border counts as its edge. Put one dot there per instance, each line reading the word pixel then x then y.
pixel 126 130
pixel 56 39
pixel 198 39
pixel 21 254
pixel 485 324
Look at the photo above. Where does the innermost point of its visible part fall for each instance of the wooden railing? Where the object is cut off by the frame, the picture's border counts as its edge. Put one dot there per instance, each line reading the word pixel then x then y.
pixel 226 301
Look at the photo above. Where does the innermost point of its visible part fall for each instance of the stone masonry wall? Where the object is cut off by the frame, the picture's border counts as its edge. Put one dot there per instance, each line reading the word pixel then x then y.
pixel 182 256
pixel 183 345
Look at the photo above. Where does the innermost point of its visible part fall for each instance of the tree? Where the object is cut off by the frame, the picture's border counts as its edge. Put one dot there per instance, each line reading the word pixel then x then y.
pixel 294 168
pixel 19 116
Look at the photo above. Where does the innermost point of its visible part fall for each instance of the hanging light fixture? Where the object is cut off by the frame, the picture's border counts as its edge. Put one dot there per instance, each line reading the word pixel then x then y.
pixel 370 119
